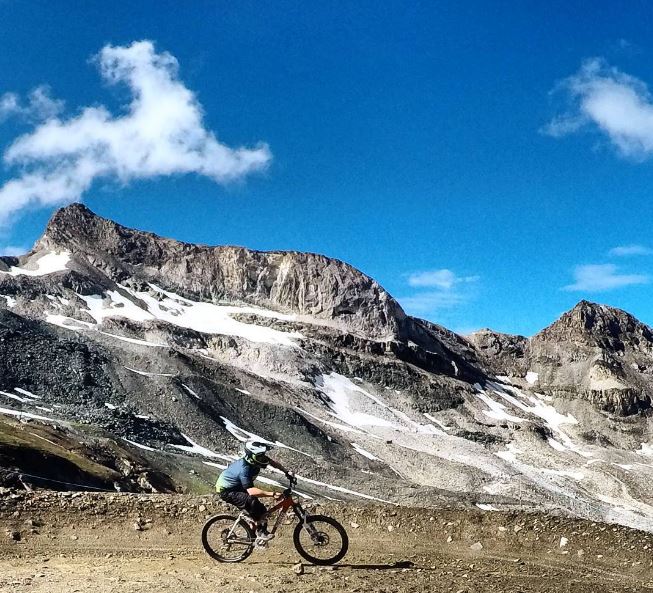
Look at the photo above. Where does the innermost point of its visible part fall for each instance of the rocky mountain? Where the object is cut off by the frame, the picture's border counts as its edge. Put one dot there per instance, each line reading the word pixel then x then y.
pixel 130 361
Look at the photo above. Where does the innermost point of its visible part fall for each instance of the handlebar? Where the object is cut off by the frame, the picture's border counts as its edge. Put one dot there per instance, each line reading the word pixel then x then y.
pixel 292 482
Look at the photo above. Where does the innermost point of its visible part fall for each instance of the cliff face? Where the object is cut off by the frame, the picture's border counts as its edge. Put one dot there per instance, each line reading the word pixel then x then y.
pixel 290 282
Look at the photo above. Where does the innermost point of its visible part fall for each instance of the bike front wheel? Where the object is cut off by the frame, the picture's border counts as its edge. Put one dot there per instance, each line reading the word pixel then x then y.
pixel 226 539
pixel 321 540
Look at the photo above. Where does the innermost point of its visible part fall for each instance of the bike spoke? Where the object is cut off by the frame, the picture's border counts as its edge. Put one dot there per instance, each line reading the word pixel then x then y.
pixel 227 540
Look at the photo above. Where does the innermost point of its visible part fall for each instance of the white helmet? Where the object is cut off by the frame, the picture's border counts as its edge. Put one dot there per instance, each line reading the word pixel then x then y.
pixel 255 452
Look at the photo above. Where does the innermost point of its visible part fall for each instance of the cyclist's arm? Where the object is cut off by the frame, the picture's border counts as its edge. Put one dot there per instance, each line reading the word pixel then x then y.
pixel 278 466
pixel 258 493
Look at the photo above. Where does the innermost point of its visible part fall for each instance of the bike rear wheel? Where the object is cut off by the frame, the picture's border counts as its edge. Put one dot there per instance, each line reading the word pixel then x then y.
pixel 321 540
pixel 227 540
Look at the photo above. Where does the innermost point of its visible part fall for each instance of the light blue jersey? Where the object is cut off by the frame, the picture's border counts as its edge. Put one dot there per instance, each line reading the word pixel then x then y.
pixel 239 476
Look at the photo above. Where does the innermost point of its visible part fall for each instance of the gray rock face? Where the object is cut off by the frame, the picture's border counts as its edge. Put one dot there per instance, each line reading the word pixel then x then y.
pixel 302 283
pixel 599 353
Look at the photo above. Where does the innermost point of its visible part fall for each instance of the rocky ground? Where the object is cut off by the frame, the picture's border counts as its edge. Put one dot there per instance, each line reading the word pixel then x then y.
pixel 78 542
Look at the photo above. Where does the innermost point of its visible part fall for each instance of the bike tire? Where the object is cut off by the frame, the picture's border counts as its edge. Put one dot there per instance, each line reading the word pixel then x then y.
pixel 313 559
pixel 215 555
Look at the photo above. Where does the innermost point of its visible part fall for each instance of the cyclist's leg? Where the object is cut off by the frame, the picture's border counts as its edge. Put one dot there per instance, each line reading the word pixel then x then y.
pixel 245 502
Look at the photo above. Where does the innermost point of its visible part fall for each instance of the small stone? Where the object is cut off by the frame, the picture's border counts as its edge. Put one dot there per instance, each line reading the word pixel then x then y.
pixel 354 525
pixel 477 547
pixel 298 569
pixel 14 535
pixel 74 537
pixel 563 542
pixel 137 526
pixel 202 508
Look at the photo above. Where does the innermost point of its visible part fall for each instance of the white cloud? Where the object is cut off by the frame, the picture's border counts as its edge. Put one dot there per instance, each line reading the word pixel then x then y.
pixel 626 250
pixel 446 290
pixel 161 132
pixel 602 277
pixel 12 250
pixel 428 302
pixel 40 105
pixel 443 279
pixel 602 97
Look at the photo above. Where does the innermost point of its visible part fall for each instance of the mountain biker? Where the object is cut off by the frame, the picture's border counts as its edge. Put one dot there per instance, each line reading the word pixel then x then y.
pixel 235 484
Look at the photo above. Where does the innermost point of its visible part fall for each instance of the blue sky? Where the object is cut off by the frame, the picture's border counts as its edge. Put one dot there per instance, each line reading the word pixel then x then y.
pixel 488 163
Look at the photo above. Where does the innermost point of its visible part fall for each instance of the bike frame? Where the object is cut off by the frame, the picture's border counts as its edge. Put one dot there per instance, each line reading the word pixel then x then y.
pixel 286 503
pixel 283 507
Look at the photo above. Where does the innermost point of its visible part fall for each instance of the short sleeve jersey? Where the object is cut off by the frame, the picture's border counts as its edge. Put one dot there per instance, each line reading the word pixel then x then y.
pixel 239 476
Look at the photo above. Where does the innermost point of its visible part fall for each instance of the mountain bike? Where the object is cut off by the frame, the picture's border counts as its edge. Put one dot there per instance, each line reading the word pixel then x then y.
pixel 318 539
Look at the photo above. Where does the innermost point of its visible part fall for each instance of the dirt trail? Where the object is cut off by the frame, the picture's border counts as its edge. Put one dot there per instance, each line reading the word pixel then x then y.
pixel 85 544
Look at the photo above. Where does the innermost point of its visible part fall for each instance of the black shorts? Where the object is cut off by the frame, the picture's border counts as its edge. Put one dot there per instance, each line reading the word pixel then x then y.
pixel 244 502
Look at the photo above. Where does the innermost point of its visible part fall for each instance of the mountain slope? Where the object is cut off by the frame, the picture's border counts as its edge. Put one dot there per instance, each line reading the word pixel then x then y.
pixel 180 352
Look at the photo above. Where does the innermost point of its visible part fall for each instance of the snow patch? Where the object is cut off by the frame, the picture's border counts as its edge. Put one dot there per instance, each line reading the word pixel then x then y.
pixel 139 445
pixel 110 406
pixel 22 400
pixel 497 411
pixel 433 419
pixel 343 490
pixel 244 435
pixel 27 393
pixel 363 452
pixel 193 447
pixel 147 374
pixel 11 301
pixel 46 264
pixel 532 378
pixel 486 507
pixel 189 390
pixel 67 322
pixel 339 390
pixel 10 412
pixel 558 446
pixel 134 340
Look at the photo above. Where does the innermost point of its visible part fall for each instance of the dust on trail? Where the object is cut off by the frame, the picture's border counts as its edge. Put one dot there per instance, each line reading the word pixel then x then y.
pixel 91 544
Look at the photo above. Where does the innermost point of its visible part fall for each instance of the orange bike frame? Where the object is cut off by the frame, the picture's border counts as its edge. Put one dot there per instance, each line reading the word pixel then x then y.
pixel 283 507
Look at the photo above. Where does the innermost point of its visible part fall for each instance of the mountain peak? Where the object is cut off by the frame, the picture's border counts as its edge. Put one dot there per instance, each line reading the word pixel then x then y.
pixel 593 320
pixel 305 284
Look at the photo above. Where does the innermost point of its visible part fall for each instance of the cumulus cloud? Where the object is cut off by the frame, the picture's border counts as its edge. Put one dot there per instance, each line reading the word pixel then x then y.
pixel 628 250
pixel 443 289
pixel 161 132
pixel 616 104
pixel 603 277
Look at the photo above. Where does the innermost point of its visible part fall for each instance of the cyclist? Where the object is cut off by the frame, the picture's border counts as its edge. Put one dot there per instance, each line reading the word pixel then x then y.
pixel 235 484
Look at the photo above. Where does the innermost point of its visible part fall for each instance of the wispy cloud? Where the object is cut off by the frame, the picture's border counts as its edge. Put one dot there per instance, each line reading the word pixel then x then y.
pixel 443 289
pixel 603 277
pixel 13 250
pixel 616 104
pixel 444 279
pixel 161 132
pixel 39 105
pixel 628 250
